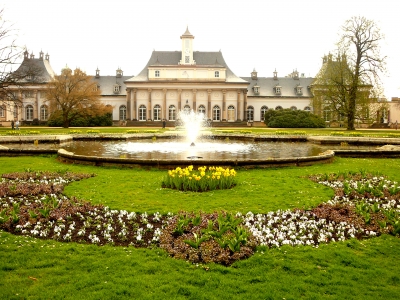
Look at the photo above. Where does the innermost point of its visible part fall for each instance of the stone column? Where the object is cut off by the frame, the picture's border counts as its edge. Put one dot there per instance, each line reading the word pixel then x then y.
pixel 224 108
pixel 194 100
pixel 238 105
pixel 128 104
pixel 179 100
pixel 19 114
pixel 134 108
pixel 209 112
pixel 245 105
pixel 149 107
pixel 164 108
pixel 36 105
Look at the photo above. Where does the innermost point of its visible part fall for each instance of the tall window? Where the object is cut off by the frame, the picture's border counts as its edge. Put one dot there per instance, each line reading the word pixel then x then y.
pixel 216 113
pixel 202 110
pixel 293 108
pixel 2 111
pixel 186 108
pixel 264 109
pixel 278 107
pixel 187 59
pixel 216 74
pixel 157 113
pixel 231 113
pixel 122 113
pixel 29 112
pixel 44 113
pixel 250 113
pixel 15 112
pixel 142 113
pixel 327 114
pixel 171 113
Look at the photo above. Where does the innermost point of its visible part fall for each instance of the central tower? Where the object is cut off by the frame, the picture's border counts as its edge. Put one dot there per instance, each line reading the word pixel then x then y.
pixel 187 48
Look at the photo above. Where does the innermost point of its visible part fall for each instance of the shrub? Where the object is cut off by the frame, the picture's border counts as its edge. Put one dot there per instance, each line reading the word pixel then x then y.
pixel 132 131
pixel 56 120
pixel 287 118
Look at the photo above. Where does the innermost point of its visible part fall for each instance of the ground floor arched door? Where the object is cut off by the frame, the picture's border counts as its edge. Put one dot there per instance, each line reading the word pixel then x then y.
pixel 231 113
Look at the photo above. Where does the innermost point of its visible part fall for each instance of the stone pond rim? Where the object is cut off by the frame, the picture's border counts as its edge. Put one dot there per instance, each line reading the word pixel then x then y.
pixel 7 149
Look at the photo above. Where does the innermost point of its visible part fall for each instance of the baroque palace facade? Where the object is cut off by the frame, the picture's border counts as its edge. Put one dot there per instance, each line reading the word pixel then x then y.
pixel 172 81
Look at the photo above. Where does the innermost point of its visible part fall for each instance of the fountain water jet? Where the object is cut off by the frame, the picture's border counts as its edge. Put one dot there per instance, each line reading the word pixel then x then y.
pixel 193 123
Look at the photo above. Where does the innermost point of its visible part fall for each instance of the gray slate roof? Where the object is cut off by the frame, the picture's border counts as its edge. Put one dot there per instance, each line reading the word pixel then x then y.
pixel 39 66
pixel 107 83
pixel 172 58
pixel 288 86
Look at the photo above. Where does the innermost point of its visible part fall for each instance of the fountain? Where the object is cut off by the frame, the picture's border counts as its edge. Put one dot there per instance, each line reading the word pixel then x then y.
pixel 192 123
pixel 199 147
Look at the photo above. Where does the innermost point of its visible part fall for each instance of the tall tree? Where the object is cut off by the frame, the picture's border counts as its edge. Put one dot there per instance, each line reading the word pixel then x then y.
pixel 351 81
pixel 74 95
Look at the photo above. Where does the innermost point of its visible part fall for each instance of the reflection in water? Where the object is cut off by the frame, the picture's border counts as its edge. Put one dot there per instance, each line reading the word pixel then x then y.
pixel 209 149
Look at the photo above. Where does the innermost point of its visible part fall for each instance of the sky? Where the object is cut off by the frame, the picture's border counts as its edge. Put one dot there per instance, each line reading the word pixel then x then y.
pixel 264 35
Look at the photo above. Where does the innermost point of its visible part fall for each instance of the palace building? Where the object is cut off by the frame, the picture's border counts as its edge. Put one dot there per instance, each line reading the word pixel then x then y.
pixel 172 81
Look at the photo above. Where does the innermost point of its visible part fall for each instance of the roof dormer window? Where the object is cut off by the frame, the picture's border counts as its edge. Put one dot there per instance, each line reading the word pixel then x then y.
pixel 256 89
pixel 299 90
pixel 216 74
pixel 156 73
pixel 117 88
pixel 277 89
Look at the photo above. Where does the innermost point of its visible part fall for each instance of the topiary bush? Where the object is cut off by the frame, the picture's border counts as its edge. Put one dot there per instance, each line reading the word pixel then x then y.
pixel 287 118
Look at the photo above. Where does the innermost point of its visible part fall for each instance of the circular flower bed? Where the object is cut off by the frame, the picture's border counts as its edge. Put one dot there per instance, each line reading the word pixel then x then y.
pixel 32 203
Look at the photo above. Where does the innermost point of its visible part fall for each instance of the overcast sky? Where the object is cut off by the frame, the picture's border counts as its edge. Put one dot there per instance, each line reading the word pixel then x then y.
pixel 265 35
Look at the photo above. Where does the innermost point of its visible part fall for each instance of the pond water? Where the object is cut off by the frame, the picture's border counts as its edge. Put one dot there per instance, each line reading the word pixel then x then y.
pixel 207 149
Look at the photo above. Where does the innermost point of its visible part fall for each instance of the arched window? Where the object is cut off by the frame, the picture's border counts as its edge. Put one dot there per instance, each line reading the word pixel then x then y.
pixel 250 113
pixel 216 113
pixel 171 113
pixel 231 113
pixel 44 113
pixel 122 113
pixel 202 110
pixel 293 108
pixel 186 108
pixel 307 109
pixel 263 111
pixel 29 112
pixel 278 107
pixel 157 113
pixel 142 113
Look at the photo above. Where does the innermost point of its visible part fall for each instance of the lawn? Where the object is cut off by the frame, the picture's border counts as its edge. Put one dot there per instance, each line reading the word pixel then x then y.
pixel 35 269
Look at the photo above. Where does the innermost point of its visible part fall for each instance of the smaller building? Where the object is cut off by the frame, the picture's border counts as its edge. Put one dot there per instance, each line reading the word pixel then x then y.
pixel 25 101
pixel 288 92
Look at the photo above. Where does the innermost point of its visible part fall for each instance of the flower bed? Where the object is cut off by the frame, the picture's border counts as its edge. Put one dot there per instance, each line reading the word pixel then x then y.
pixel 201 180
pixel 32 203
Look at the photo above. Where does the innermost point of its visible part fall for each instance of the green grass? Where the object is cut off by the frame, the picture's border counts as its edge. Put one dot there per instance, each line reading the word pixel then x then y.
pixel 45 269
pixel 216 130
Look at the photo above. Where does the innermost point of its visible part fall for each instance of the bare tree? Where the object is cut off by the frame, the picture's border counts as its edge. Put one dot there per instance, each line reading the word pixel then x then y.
pixel 350 82
pixel 13 74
